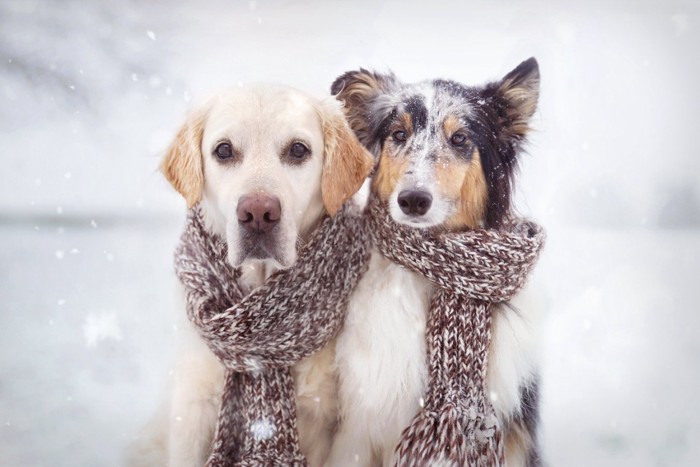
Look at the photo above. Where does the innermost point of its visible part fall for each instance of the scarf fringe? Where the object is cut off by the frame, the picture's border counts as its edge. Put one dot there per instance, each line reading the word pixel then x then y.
pixel 451 437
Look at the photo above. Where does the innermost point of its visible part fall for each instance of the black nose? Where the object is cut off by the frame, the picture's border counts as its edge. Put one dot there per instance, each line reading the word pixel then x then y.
pixel 415 202
pixel 258 213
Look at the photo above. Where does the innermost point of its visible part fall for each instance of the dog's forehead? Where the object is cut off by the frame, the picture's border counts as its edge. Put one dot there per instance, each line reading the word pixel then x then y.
pixel 429 103
pixel 260 121
pixel 266 102
pixel 261 107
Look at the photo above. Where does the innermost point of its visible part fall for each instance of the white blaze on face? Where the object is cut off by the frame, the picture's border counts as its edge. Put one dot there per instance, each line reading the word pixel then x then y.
pixel 420 171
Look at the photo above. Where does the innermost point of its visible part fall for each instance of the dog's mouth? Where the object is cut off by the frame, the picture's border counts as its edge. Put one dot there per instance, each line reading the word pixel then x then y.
pixel 269 247
pixel 423 222
pixel 260 246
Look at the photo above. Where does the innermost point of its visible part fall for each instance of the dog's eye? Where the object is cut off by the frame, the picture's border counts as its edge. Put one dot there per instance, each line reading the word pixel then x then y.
pixel 399 136
pixel 223 151
pixel 298 151
pixel 458 139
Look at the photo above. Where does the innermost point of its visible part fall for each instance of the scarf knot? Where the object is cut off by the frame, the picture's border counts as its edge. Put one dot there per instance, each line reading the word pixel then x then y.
pixel 481 264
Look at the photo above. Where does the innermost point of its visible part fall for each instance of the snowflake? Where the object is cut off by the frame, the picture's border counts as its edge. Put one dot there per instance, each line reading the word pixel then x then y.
pixel 262 429
pixel 97 328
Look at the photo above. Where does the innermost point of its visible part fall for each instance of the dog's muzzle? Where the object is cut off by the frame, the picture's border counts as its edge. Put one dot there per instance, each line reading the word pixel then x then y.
pixel 259 216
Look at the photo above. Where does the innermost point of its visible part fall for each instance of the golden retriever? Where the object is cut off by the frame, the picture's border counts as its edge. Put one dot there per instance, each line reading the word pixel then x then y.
pixel 264 163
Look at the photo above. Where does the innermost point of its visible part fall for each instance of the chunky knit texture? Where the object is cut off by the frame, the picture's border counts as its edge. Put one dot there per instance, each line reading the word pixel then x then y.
pixel 470 270
pixel 259 336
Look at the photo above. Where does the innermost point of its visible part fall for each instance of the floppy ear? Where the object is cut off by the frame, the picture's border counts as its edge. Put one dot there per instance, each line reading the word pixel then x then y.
pixel 367 103
pixel 346 163
pixel 182 165
pixel 520 90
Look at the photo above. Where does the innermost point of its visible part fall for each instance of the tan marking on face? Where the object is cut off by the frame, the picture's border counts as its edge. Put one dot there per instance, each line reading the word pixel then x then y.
pixel 458 180
pixel 472 197
pixel 451 125
pixel 449 174
pixel 390 170
pixel 462 181
pixel 392 162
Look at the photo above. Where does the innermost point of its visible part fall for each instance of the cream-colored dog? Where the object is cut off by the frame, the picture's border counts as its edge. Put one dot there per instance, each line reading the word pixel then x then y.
pixel 264 163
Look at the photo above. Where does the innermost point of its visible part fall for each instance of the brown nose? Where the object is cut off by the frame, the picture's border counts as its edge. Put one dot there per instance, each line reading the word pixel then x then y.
pixel 258 213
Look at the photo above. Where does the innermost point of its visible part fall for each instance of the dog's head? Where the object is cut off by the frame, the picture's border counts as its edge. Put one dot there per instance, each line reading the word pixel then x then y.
pixel 447 152
pixel 264 162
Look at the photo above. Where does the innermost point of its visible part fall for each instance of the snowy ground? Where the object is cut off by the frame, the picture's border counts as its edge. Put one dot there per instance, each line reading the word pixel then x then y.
pixel 90 93
pixel 88 328
pixel 88 338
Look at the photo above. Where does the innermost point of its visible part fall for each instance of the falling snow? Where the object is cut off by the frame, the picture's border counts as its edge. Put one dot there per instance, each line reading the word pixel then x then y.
pixel 99 327
pixel 89 338
pixel 262 429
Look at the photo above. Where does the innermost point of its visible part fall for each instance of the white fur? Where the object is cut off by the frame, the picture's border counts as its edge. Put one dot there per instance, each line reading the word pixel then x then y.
pixel 381 360
pixel 259 121
pixel 379 355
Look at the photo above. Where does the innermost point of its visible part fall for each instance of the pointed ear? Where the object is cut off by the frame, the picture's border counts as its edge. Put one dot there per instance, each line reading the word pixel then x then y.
pixel 520 90
pixel 366 99
pixel 182 164
pixel 346 163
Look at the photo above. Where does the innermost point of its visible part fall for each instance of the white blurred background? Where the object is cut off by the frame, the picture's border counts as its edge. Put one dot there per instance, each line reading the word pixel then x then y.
pixel 92 92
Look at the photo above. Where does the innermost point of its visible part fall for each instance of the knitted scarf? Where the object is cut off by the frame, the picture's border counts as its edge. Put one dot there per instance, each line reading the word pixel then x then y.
pixel 259 336
pixel 470 271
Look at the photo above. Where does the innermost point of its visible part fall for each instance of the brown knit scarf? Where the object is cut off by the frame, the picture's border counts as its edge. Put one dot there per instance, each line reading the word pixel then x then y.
pixel 259 336
pixel 470 271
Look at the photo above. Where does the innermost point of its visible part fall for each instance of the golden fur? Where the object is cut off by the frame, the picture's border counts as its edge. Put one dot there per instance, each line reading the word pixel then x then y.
pixel 182 164
pixel 346 163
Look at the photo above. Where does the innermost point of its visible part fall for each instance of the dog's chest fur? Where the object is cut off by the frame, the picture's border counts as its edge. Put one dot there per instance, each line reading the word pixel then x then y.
pixel 381 352
pixel 381 360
